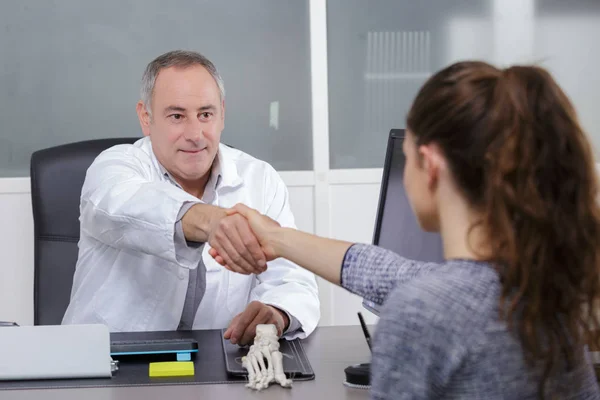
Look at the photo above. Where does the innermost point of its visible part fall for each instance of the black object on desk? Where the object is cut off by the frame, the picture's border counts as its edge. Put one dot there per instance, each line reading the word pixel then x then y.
pixel 359 376
pixel 365 330
pixel 180 349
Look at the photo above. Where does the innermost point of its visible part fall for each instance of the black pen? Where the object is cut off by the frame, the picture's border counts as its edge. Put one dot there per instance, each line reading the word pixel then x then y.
pixel 365 330
pixel 8 323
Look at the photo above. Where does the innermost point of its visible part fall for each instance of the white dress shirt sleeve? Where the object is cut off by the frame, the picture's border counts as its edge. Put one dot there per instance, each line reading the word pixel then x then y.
pixel 124 206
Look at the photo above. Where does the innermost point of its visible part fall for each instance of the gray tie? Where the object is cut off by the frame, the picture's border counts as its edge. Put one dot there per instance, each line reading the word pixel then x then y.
pixel 193 297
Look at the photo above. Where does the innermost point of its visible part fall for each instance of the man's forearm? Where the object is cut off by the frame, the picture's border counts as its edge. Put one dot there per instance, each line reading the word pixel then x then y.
pixel 199 220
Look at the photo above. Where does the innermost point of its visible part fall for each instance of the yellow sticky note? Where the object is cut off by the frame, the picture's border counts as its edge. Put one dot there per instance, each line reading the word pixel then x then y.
pixel 171 368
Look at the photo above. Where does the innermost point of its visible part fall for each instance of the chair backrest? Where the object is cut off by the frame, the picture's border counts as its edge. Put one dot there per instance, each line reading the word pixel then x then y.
pixel 57 176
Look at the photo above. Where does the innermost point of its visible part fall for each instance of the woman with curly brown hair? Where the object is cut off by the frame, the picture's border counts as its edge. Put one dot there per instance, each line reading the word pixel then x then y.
pixel 497 162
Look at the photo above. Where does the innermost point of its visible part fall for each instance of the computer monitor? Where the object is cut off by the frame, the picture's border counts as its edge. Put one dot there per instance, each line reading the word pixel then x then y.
pixel 396 227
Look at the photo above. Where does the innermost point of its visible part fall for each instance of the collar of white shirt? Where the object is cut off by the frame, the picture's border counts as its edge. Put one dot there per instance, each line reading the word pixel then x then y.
pixel 223 172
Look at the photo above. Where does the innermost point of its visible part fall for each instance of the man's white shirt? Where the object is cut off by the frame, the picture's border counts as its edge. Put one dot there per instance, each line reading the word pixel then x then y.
pixel 133 267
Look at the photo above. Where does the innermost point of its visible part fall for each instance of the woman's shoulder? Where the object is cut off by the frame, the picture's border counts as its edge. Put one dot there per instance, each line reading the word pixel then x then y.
pixel 460 296
pixel 429 325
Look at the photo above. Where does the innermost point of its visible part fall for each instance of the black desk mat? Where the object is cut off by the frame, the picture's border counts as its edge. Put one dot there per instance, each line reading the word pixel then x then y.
pixel 209 365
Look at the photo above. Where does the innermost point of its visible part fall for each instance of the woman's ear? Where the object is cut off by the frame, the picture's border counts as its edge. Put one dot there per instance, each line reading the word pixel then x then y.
pixel 430 162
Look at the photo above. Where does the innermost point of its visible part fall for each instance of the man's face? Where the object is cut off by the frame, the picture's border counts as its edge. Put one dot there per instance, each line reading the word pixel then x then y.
pixel 185 123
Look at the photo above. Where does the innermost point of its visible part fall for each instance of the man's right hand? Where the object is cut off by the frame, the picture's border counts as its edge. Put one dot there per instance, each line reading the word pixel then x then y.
pixel 229 235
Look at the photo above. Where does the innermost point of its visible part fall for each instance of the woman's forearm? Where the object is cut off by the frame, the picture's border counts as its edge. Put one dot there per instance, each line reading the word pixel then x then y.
pixel 368 271
pixel 321 256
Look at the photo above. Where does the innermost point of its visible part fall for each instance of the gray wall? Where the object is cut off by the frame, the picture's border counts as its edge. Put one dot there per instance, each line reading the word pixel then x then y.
pixel 380 53
pixel 70 71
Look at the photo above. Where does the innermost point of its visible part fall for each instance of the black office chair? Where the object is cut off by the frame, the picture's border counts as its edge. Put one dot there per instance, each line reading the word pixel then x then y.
pixel 57 175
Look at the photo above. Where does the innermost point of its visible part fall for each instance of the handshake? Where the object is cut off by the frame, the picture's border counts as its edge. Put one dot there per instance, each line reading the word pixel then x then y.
pixel 241 239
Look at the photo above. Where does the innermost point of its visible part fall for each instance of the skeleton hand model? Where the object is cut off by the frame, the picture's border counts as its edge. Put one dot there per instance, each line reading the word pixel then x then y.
pixel 265 347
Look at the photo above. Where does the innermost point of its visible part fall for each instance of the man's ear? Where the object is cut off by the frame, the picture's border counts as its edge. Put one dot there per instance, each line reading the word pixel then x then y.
pixel 144 117
pixel 223 112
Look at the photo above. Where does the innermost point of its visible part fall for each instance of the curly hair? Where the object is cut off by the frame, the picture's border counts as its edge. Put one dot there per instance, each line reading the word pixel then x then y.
pixel 516 150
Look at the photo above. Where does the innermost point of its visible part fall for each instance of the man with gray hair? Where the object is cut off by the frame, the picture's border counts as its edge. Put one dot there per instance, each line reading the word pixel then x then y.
pixel 151 211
